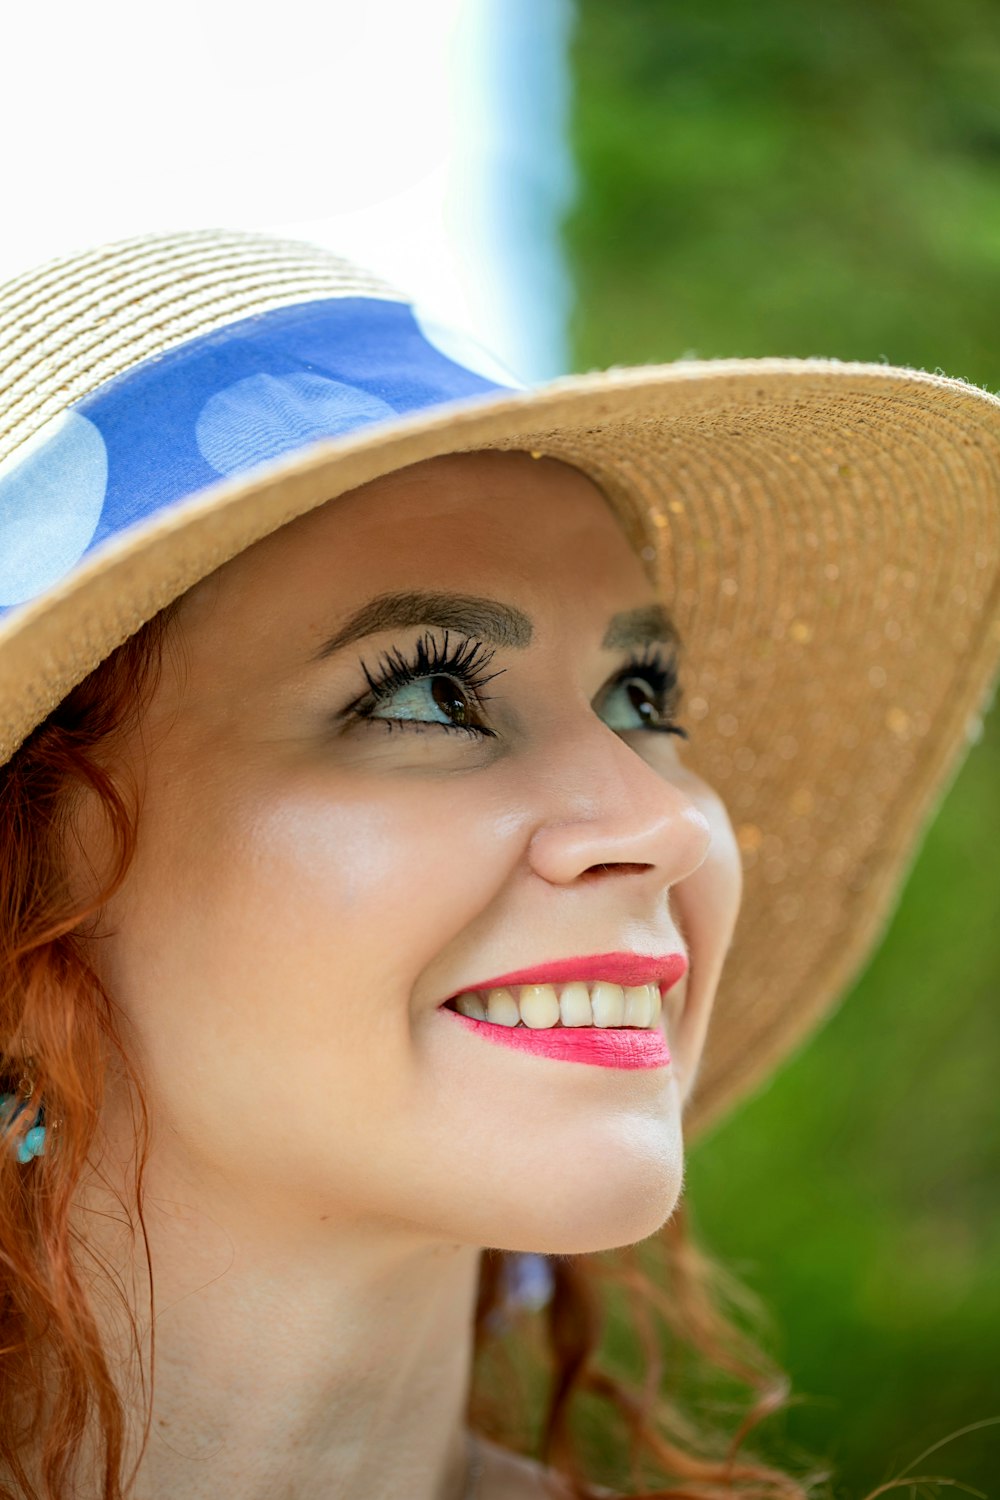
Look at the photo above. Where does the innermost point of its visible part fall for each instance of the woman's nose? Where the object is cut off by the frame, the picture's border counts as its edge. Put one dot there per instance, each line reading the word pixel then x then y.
pixel 608 812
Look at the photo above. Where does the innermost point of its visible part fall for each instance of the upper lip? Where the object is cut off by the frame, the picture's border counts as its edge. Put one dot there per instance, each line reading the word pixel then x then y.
pixel 664 969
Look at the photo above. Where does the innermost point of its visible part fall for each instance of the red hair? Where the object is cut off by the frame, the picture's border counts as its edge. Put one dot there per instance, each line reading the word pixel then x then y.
pixel 56 1385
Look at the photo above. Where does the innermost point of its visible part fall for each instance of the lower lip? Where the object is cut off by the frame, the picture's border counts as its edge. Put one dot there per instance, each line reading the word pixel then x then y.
pixel 625 1047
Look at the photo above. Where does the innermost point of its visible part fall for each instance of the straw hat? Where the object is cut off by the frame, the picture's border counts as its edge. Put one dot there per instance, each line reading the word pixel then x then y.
pixel 826 535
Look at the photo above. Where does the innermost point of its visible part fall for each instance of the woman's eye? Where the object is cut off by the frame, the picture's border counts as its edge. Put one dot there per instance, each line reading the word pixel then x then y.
pixel 430 700
pixel 632 703
pixel 441 685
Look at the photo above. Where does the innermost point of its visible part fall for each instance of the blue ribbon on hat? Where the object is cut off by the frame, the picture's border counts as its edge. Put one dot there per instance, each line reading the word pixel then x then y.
pixel 218 406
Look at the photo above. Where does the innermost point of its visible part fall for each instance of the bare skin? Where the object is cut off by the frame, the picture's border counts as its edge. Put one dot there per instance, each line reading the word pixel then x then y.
pixel 331 1150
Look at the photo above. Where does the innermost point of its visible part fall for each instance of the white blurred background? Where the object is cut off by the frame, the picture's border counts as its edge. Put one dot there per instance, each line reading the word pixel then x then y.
pixel 425 139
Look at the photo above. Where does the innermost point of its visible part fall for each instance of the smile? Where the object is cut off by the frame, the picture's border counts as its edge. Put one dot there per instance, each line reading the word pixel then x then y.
pixel 623 1046
pixel 543 1007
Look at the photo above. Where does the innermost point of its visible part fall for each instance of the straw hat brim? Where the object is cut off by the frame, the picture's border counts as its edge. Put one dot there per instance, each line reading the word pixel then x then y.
pixel 827 538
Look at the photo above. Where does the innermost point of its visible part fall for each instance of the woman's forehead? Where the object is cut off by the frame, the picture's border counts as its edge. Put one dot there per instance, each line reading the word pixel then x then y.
pixel 490 491
pixel 534 537
pixel 477 522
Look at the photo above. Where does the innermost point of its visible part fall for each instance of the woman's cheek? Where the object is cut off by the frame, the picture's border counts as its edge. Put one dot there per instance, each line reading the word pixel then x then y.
pixel 705 907
pixel 385 871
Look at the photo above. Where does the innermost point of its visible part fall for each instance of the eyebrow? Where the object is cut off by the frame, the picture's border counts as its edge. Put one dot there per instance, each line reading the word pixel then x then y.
pixel 499 624
pixel 640 627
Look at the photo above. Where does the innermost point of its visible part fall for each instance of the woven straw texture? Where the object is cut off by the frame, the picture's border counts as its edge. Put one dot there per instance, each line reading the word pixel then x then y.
pixel 827 537
pixel 69 326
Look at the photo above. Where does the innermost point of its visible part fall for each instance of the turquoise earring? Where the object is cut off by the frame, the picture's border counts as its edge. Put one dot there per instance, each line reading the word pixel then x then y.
pixel 11 1107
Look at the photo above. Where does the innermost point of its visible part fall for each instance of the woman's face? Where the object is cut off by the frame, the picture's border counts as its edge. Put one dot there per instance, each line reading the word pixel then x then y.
pixel 318 869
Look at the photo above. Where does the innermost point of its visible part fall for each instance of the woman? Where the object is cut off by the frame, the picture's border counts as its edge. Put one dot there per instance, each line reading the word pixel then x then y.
pixel 364 916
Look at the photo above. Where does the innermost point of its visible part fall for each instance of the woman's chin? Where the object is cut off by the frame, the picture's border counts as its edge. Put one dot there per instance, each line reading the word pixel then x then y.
pixel 588 1210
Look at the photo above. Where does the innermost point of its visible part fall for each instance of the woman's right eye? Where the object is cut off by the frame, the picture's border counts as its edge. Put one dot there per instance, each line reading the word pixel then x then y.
pixel 439 685
pixel 437 699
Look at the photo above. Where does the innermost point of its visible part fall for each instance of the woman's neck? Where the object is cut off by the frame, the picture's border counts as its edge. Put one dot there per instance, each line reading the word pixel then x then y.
pixel 299 1359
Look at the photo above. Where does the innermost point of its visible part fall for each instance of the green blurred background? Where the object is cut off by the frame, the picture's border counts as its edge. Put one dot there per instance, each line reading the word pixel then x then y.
pixel 788 179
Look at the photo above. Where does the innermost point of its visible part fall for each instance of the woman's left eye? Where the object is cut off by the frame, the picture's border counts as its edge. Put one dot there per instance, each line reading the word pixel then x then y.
pixel 632 699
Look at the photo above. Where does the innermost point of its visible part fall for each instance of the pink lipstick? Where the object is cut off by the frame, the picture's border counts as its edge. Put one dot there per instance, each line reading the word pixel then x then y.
pixel 616 968
pixel 601 1046
pixel 604 1047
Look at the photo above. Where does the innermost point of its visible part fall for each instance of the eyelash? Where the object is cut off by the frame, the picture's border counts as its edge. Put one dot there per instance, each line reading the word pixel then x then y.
pixel 467 661
pixel 660 673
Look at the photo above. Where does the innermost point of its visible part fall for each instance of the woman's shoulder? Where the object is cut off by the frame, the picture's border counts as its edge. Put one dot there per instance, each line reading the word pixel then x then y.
pixel 511 1476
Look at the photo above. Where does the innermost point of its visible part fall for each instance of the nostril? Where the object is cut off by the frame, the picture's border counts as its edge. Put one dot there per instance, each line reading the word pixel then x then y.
pixel 622 866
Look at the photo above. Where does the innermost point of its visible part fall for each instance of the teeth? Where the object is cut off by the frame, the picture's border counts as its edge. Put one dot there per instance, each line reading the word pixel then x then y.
pixel 638 1006
pixel 470 1004
pixel 542 1006
pixel 502 1008
pixel 574 1005
pixel 608 1001
pixel 539 1005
